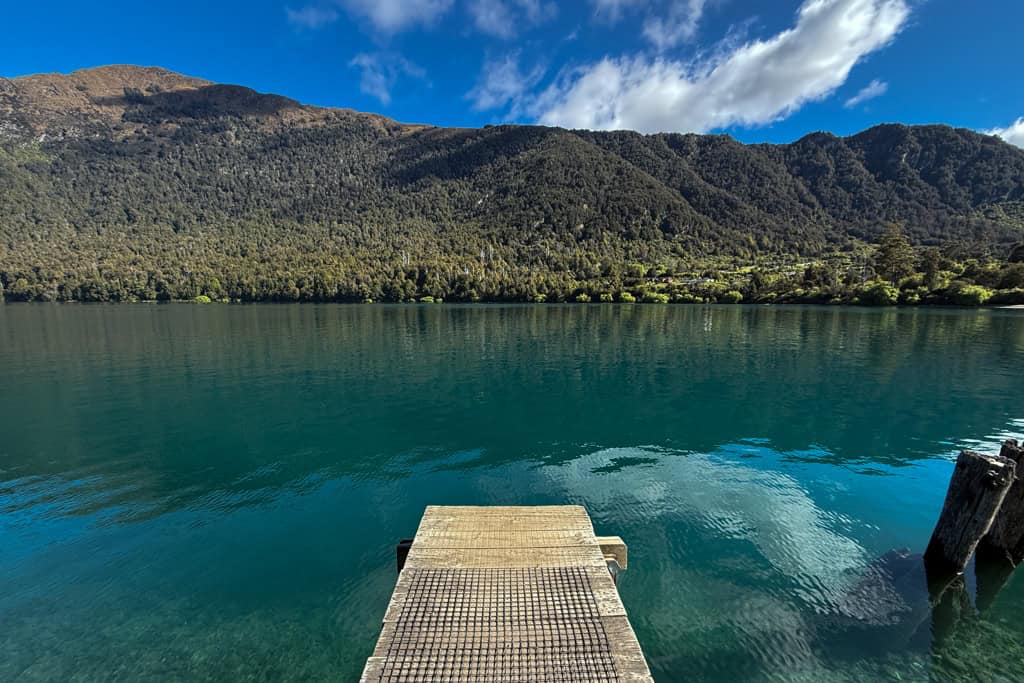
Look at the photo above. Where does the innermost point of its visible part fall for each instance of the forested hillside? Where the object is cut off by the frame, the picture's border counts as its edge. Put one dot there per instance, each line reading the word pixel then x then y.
pixel 129 183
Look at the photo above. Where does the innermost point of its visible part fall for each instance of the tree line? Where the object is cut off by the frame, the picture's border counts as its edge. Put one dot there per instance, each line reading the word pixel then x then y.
pixel 888 273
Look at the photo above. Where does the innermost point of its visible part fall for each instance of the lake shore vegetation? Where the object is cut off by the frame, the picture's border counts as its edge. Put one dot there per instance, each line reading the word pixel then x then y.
pixel 891 272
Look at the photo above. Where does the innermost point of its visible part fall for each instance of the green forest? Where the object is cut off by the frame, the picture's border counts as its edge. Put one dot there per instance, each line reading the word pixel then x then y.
pixel 889 273
pixel 219 193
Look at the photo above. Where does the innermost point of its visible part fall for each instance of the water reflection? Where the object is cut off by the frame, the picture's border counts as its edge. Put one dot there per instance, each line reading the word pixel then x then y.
pixel 729 501
pixel 347 388
pixel 744 574
pixel 178 478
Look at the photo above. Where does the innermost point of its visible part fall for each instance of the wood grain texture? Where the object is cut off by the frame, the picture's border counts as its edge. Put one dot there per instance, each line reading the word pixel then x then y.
pixel 1006 537
pixel 509 557
pixel 503 538
pixel 976 491
pixel 506 594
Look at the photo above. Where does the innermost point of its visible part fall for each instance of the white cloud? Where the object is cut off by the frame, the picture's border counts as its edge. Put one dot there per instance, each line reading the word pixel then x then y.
pixel 493 17
pixel 679 23
pixel 1014 133
pixel 755 83
pixel 875 88
pixel 391 16
pixel 502 84
pixel 502 19
pixel 678 26
pixel 612 10
pixel 311 17
pixel 537 11
pixel 386 16
pixel 381 71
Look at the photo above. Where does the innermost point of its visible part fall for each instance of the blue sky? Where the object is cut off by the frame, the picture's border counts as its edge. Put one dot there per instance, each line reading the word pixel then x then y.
pixel 761 71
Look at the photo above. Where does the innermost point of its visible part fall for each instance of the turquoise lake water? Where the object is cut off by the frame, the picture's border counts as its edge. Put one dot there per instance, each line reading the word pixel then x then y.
pixel 215 492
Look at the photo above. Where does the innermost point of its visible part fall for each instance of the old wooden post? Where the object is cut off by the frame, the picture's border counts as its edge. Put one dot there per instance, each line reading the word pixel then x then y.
pixel 976 491
pixel 1002 548
pixel 950 605
pixel 990 575
pixel 1005 540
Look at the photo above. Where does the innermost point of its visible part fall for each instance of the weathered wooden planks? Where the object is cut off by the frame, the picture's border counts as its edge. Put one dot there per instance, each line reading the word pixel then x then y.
pixel 516 594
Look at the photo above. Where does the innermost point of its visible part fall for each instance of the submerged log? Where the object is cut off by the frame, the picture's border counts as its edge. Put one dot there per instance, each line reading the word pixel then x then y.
pixel 976 491
pixel 1005 540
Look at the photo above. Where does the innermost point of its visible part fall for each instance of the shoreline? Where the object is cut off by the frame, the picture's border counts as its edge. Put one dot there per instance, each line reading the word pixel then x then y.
pixel 484 304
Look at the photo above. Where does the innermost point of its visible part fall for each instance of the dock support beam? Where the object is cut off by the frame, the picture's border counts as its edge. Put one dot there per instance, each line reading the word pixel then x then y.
pixel 976 492
pixel 402 552
pixel 615 555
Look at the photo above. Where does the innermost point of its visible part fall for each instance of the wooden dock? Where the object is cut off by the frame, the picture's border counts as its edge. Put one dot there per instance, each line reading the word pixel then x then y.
pixel 509 594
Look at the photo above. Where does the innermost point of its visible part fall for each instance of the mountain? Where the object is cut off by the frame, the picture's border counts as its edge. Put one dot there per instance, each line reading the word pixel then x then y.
pixel 131 182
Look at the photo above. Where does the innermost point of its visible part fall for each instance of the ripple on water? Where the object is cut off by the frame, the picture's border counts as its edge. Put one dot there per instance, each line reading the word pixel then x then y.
pixel 754 563
pixel 214 493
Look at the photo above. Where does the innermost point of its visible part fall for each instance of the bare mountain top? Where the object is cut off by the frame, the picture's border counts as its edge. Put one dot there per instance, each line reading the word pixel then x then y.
pixel 114 100
pixel 70 104
pixel 102 82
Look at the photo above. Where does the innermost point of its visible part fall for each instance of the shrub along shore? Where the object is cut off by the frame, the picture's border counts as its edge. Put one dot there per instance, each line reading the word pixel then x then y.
pixel 891 272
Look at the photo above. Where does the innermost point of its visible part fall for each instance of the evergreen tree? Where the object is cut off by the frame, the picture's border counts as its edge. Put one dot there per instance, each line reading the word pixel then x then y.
pixel 894 257
pixel 931 264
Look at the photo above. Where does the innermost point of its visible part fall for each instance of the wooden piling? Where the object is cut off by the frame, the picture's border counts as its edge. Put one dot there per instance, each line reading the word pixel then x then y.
pixel 1005 540
pixel 990 575
pixel 976 491
pixel 950 605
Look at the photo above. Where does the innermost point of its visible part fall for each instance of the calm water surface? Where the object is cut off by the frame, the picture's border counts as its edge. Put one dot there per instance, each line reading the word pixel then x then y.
pixel 214 492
